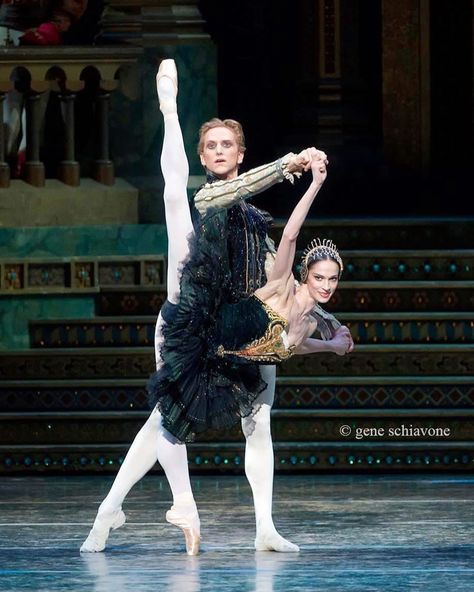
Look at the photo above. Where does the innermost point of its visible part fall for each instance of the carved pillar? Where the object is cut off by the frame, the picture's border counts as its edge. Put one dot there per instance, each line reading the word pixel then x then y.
pixel 104 168
pixel 4 168
pixel 69 170
pixel 34 168
pixel 406 82
pixel 330 108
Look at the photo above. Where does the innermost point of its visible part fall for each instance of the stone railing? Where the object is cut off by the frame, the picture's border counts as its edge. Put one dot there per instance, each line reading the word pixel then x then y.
pixel 33 73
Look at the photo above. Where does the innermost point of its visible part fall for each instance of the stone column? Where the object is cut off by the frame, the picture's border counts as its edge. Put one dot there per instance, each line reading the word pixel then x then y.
pixel 104 167
pixel 34 168
pixel 406 82
pixel 69 170
pixel 4 168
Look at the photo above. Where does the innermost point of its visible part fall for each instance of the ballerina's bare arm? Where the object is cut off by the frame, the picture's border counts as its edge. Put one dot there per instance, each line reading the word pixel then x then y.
pixel 287 247
pixel 341 344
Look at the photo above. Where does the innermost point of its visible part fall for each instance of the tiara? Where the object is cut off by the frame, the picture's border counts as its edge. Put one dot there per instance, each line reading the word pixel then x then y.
pixel 319 247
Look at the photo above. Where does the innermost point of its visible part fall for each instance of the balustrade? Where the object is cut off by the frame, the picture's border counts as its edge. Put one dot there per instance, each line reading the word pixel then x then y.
pixel 35 74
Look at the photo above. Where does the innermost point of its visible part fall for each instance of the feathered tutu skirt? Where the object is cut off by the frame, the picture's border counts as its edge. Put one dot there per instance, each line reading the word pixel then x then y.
pixel 195 389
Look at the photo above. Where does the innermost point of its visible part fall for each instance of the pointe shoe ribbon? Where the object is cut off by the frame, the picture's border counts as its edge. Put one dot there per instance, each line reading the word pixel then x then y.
pixel 100 531
pixel 191 535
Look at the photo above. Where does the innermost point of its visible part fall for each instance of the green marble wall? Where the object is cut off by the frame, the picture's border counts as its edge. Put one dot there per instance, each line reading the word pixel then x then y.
pixel 79 241
pixel 16 312
pixel 137 123
pixel 22 243
pixel 136 127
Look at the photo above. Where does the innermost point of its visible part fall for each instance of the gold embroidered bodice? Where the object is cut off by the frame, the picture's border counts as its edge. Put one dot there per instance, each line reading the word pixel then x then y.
pixel 270 347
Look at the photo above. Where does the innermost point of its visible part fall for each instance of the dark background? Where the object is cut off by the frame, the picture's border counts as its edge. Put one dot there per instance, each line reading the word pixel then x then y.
pixel 267 79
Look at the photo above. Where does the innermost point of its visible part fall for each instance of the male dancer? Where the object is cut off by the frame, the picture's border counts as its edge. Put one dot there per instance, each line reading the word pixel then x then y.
pixel 221 149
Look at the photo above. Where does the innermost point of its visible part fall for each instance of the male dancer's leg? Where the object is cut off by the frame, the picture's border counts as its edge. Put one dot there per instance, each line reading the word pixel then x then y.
pixel 259 463
pixel 153 442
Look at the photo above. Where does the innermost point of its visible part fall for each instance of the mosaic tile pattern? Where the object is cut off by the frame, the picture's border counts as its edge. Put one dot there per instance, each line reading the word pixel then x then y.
pixel 130 394
pixel 229 458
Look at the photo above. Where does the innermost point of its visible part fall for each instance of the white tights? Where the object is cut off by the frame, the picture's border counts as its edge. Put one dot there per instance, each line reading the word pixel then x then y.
pixel 153 442
pixel 259 452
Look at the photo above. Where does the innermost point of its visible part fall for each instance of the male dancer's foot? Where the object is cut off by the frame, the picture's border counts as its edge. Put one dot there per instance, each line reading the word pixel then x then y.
pixel 103 524
pixel 272 541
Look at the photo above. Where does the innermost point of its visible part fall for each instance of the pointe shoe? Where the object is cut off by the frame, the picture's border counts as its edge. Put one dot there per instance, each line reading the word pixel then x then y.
pixel 167 94
pixel 100 531
pixel 168 68
pixel 191 535
pixel 274 542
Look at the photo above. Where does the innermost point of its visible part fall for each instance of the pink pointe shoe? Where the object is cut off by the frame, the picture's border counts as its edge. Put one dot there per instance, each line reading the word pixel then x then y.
pixel 187 525
pixel 168 68
pixel 167 93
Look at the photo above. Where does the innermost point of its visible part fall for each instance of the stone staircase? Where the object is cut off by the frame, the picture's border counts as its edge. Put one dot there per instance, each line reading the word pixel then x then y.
pixel 403 401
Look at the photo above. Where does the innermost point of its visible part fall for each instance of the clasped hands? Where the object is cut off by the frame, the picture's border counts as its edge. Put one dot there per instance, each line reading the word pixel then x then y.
pixel 307 159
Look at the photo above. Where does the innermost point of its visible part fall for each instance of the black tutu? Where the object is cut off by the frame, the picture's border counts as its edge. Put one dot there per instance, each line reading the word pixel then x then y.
pixel 196 389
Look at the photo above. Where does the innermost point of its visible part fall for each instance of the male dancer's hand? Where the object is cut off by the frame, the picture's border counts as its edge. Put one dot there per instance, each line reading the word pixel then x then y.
pixel 302 161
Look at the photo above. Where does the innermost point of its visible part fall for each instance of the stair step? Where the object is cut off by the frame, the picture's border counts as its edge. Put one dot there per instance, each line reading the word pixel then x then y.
pixel 387 233
pixel 130 301
pixel 367 327
pixel 96 332
pixel 408 296
pixel 374 295
pixel 229 457
pixel 387 360
pixel 403 265
pixel 93 363
pixel 302 392
pixel 301 426
pixel 410 327
pixel 50 417
pixel 382 360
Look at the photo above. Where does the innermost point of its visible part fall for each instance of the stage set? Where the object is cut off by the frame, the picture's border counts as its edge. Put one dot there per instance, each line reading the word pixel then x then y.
pixel 374 450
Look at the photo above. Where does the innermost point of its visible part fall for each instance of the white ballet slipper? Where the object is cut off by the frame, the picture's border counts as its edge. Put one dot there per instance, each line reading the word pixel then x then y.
pixel 100 531
pixel 272 541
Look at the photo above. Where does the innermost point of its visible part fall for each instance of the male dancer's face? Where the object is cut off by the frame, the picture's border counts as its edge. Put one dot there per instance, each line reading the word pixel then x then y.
pixel 221 154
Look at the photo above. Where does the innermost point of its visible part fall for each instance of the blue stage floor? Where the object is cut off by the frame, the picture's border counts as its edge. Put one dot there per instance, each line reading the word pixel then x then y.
pixel 357 533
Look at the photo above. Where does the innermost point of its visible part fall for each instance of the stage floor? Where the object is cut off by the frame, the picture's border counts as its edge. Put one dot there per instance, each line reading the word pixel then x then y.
pixel 358 533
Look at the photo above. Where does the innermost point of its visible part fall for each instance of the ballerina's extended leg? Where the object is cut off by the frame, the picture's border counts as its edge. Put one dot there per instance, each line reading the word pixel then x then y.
pixel 153 442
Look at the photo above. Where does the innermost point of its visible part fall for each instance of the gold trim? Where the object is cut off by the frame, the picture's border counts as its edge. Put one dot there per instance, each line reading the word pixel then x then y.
pixel 268 348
